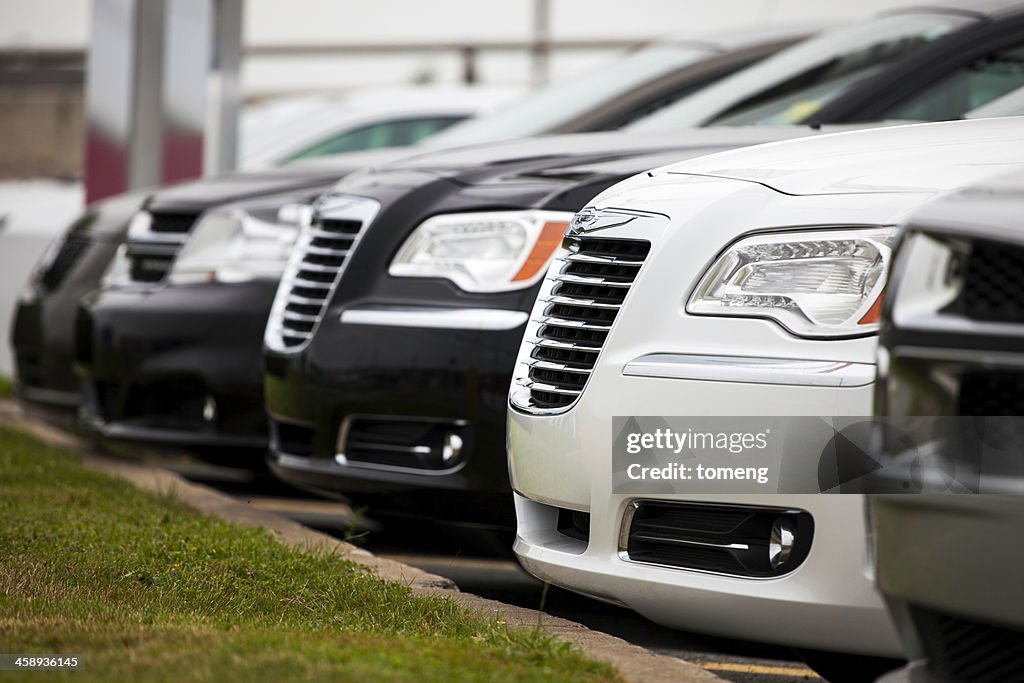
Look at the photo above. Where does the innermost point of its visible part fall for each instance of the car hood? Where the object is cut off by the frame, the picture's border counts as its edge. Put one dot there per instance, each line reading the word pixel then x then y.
pixel 197 195
pixel 564 157
pixel 922 158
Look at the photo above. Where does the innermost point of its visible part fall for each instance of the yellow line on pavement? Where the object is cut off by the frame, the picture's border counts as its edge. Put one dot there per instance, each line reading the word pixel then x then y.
pixel 757 669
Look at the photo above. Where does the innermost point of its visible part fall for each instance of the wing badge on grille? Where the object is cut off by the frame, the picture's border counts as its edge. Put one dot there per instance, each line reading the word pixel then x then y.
pixel 588 221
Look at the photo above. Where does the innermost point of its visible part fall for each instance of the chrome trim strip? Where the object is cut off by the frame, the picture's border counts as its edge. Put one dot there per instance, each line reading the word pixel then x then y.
pixel 588 258
pixel 388 448
pixel 548 365
pixel 585 280
pixel 555 344
pixel 587 303
pixel 540 386
pixel 696 544
pixel 296 299
pixel 327 251
pixel 331 235
pixel 753 370
pixel 299 317
pixel 555 321
pixel 310 284
pixel 314 268
pixel 441 318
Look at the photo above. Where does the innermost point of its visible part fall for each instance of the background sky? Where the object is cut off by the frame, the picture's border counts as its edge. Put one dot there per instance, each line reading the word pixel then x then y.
pixel 65 23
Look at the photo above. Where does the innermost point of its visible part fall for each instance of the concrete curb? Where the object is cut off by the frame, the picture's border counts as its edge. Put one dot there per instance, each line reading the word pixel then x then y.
pixel 636 664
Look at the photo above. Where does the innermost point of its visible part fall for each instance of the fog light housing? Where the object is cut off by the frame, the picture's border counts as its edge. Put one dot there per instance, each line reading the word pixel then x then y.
pixel 781 541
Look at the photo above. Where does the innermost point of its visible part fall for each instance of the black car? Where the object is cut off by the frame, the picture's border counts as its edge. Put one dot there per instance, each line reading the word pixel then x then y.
pixel 42 337
pixel 929 63
pixel 388 356
pixel 951 372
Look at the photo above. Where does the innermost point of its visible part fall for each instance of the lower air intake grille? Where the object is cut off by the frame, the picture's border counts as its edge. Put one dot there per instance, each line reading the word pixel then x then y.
pixel 316 264
pixel 589 288
pixel 724 539
pixel 405 444
pixel 968 651
pixel 574 524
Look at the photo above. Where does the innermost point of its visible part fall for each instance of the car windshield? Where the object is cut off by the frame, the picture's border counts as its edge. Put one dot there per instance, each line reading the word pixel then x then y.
pixel 789 87
pixel 561 102
pixel 1010 104
pixel 267 128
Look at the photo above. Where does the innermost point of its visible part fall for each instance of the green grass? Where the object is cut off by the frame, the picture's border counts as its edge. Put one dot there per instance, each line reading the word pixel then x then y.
pixel 6 387
pixel 146 589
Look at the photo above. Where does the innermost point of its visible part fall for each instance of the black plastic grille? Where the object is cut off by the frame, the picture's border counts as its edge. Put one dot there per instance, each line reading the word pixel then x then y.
pixel 994 283
pixel 589 289
pixel 574 524
pixel 726 539
pixel 318 265
pixel 151 259
pixel 969 651
pixel 69 253
pixel 172 222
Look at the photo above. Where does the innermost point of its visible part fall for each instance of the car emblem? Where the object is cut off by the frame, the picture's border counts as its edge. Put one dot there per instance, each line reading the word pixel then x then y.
pixel 587 221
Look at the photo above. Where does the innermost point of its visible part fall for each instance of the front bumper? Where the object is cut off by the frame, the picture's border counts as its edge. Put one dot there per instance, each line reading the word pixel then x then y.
pixel 177 366
pixel 355 413
pixel 564 462
pixel 949 567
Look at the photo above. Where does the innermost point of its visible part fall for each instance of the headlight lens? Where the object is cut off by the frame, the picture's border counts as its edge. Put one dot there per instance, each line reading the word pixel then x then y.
pixel 493 251
pixel 820 283
pixel 241 243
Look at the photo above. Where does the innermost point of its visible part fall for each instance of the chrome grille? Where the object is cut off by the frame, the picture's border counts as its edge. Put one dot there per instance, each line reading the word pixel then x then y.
pixel 151 250
pixel 587 286
pixel 315 267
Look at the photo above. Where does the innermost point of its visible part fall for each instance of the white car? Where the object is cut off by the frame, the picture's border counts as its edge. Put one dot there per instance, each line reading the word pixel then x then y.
pixel 299 127
pixel 665 301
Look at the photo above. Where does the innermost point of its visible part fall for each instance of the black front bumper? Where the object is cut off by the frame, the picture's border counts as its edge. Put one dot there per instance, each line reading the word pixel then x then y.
pixel 397 397
pixel 179 365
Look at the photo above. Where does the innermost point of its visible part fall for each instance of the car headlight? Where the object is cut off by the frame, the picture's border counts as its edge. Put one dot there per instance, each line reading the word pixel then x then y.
pixel 241 243
pixel 491 251
pixel 815 283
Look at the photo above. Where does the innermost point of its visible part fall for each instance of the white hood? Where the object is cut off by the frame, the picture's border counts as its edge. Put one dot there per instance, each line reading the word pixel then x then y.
pixel 923 158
